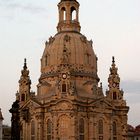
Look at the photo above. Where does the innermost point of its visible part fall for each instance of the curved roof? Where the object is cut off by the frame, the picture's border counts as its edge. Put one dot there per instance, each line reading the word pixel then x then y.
pixel 130 128
pixel 137 130
pixel 70 48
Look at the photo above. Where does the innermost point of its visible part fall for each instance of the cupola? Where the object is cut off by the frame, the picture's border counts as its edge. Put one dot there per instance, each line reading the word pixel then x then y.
pixel 68 16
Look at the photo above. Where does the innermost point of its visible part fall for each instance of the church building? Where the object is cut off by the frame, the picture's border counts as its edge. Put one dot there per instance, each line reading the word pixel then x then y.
pixel 70 103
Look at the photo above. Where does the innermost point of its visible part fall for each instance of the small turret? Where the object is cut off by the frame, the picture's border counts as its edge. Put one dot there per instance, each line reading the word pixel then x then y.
pixel 68 16
pixel 24 84
pixel 114 91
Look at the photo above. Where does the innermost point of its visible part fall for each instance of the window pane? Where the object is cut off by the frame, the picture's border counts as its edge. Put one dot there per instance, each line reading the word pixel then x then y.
pixel 23 97
pixel 100 126
pixel 114 128
pixel 100 137
pixel 49 127
pixel 63 87
pixel 32 138
pixel 81 126
pixel 81 137
pixel 49 137
pixel 32 128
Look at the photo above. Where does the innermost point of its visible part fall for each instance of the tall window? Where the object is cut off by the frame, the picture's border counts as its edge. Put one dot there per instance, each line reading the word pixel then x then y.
pixel 114 95
pixel 64 87
pixel 21 132
pixel 33 130
pixel 64 128
pixel 49 130
pixel 87 58
pixel 81 129
pixel 100 129
pixel 114 127
pixel 73 13
pixel 46 60
pixel 63 13
pixel 23 97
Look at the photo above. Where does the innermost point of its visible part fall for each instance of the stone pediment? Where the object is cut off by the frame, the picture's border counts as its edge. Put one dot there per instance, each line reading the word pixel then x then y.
pixel 29 109
pixel 102 104
pixel 31 104
pixel 63 105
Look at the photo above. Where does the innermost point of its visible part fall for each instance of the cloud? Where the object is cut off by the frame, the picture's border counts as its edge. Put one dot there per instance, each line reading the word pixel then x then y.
pixel 14 5
pixel 131 86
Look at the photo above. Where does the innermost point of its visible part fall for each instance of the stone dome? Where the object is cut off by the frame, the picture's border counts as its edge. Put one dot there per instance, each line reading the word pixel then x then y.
pixel 68 63
pixel 69 48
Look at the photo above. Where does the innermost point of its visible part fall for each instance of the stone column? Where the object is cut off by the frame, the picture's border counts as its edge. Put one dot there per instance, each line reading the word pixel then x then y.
pixel 90 127
pixel 72 127
pixel 54 127
pixel 40 126
pixel 94 128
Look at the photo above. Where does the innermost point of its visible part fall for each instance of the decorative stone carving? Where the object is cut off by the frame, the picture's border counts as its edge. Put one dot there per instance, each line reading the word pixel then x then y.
pixel 46 43
pixel 45 83
pixel 91 43
pixel 83 39
pixel 51 39
pixel 67 38
pixel 72 89
pixel 64 106
pixel 65 55
pixel 26 115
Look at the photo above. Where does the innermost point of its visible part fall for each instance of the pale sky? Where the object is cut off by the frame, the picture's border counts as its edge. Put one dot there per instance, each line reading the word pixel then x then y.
pixel 113 25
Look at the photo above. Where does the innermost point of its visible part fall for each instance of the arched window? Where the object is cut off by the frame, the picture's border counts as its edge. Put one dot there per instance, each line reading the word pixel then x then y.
pixel 46 60
pixel 114 96
pixel 100 127
pixel 87 58
pixel 32 130
pixel 64 89
pixel 23 97
pixel 21 132
pixel 73 13
pixel 63 13
pixel 64 128
pixel 114 128
pixel 81 129
pixel 49 130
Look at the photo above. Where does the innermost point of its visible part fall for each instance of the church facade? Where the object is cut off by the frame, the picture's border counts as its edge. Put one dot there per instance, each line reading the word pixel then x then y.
pixel 70 103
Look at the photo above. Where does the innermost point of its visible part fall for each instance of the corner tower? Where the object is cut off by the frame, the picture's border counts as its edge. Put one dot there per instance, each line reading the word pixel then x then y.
pixel 24 85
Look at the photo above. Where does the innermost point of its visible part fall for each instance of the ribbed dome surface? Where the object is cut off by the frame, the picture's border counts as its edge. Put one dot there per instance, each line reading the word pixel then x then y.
pixel 69 48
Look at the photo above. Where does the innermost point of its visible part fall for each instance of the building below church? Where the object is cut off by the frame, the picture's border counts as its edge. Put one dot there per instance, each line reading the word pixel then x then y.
pixel 1 124
pixel 69 103
pixel 133 133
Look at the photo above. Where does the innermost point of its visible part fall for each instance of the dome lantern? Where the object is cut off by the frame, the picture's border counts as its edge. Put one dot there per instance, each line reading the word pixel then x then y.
pixel 68 16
